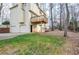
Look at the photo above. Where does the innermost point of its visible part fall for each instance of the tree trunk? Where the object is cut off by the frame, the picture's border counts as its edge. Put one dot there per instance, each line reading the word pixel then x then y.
pixel 66 20
pixel 51 16
pixel 1 6
pixel 60 26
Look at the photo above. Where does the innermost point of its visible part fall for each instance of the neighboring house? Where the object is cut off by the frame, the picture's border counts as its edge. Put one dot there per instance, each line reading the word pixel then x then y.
pixel 27 18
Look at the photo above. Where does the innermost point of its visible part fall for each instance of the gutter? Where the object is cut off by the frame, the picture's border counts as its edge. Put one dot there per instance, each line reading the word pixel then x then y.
pixel 13 6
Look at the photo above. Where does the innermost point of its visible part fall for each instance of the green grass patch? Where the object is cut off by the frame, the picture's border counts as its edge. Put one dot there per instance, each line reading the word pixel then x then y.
pixel 35 43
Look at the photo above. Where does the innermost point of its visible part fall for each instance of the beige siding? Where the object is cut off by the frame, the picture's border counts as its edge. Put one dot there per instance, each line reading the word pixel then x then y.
pixel 21 14
pixel 35 9
pixel 14 20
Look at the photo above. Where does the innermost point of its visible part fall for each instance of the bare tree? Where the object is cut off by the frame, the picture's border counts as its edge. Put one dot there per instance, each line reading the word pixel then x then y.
pixel 1 5
pixel 51 18
pixel 61 10
pixel 74 16
pixel 66 20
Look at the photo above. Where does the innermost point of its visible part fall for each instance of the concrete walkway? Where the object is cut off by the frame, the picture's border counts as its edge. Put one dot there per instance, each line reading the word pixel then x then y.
pixel 9 35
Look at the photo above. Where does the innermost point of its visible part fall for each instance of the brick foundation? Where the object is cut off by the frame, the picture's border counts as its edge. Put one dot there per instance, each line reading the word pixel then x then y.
pixel 4 30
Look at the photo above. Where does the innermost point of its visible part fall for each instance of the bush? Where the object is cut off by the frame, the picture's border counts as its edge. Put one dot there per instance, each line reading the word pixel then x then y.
pixel 6 23
pixel 70 27
pixel 77 29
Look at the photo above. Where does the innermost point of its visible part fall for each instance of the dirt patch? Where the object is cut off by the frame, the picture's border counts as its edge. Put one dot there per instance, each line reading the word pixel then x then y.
pixel 8 50
pixel 71 46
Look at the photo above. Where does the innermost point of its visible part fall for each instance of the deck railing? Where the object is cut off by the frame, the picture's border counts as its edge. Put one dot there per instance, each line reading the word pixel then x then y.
pixel 39 19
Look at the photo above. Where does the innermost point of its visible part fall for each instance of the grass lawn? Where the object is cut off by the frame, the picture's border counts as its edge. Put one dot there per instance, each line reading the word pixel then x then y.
pixel 32 44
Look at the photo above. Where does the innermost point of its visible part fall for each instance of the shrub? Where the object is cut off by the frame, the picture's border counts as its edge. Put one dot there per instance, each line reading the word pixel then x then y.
pixel 6 23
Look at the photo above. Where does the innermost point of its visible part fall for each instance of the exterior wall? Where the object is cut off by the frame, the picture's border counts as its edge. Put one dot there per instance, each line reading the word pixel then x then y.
pixel 14 20
pixel 26 27
pixel 20 13
pixel 17 16
pixel 39 28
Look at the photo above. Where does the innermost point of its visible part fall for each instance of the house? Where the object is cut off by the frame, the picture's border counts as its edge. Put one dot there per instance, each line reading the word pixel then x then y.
pixel 38 18
pixel 27 18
